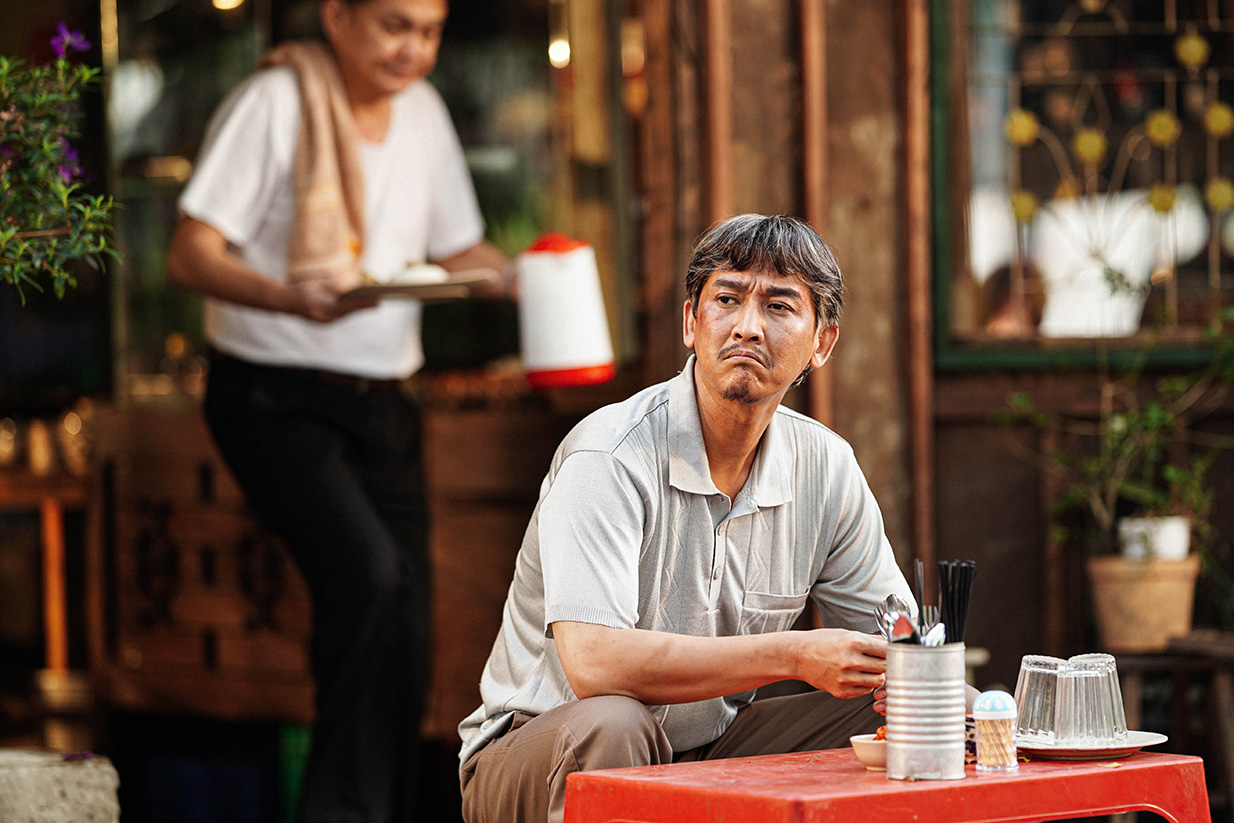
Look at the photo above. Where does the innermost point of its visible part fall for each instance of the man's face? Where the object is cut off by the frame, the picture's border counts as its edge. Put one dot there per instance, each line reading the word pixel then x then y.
pixel 384 45
pixel 754 333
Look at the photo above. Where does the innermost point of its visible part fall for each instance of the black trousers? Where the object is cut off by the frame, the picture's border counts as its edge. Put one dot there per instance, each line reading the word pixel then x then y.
pixel 334 468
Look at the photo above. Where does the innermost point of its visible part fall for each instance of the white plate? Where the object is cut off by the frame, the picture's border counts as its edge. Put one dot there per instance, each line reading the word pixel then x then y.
pixel 1134 742
pixel 459 285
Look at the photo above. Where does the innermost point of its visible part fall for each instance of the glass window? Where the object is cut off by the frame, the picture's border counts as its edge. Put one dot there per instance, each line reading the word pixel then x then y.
pixel 174 62
pixel 1084 181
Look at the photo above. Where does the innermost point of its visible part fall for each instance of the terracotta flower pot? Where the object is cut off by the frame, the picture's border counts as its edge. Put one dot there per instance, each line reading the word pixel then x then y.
pixel 1139 604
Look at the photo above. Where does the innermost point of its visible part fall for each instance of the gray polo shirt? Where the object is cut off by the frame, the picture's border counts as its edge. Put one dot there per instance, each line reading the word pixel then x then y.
pixel 630 532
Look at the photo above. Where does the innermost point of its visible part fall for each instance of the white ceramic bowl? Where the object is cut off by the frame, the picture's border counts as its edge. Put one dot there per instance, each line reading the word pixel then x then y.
pixel 871 752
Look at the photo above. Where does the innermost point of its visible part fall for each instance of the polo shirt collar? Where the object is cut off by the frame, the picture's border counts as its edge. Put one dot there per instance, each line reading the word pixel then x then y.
pixel 769 483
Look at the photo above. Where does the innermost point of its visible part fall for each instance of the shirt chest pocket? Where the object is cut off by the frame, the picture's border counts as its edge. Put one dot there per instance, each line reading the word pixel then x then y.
pixel 762 612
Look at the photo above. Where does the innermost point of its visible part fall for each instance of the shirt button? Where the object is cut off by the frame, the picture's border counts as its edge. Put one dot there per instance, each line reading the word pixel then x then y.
pixel 715 575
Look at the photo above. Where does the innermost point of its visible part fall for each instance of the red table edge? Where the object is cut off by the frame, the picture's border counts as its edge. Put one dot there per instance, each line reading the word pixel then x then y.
pixel 1181 798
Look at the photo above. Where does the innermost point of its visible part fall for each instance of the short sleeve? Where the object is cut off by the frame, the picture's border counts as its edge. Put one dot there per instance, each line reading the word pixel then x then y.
pixel 860 567
pixel 591 533
pixel 455 222
pixel 247 155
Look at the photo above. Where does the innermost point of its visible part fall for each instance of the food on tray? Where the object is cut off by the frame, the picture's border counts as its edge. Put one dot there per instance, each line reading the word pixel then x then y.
pixel 418 274
pixel 420 281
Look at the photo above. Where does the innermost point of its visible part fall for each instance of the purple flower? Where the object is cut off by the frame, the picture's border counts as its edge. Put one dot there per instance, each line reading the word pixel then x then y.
pixel 71 167
pixel 68 40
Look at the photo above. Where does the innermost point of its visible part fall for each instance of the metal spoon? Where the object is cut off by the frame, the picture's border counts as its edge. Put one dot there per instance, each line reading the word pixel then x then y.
pixel 894 602
pixel 936 636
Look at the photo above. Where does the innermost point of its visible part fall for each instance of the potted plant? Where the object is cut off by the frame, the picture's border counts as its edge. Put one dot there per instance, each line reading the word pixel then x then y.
pixel 50 226
pixel 1135 473
pixel 48 221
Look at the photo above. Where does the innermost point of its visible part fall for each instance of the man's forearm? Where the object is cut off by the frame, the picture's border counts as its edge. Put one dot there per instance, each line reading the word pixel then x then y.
pixel 661 668
pixel 484 255
pixel 198 260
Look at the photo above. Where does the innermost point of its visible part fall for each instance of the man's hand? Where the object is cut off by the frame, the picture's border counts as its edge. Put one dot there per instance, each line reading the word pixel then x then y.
pixel 841 662
pixel 200 259
pixel 484 255
pixel 319 300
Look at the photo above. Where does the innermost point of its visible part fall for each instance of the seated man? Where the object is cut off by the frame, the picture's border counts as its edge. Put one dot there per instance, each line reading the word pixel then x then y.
pixel 678 536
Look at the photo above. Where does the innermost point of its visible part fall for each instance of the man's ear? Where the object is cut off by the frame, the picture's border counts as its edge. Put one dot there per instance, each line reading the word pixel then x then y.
pixel 687 325
pixel 332 12
pixel 827 337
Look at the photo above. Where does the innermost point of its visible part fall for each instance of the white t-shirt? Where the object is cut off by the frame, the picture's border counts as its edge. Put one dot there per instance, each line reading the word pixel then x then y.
pixel 419 205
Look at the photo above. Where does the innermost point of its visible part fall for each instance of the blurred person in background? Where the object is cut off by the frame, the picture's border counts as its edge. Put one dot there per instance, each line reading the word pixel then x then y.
pixel 334 165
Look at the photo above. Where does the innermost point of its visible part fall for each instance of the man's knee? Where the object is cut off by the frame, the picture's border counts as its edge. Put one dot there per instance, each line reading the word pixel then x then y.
pixel 611 731
pixel 522 775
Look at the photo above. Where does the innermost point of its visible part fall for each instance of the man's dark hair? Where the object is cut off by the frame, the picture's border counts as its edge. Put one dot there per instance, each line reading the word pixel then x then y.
pixel 780 244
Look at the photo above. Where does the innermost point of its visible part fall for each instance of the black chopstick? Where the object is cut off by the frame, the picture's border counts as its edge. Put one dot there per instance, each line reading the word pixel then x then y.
pixel 955 586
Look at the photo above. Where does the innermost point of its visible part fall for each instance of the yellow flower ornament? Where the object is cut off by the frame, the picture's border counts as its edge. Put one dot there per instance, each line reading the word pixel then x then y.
pixel 1161 198
pixel 1219 194
pixel 1021 127
pixel 1162 128
pixel 1191 50
pixel 1219 120
pixel 1023 206
pixel 1089 145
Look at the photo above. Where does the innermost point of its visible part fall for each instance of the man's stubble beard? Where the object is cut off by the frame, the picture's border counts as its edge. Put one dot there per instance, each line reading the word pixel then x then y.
pixel 740 390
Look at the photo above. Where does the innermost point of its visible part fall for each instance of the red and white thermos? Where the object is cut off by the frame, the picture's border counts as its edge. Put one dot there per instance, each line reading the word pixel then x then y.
pixel 563 330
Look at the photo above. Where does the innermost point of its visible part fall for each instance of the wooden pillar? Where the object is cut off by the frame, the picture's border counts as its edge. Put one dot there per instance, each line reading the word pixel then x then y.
pixel 719 96
pixel 55 617
pixel 915 27
pixel 1053 568
pixel 591 146
pixel 813 17
pixel 658 152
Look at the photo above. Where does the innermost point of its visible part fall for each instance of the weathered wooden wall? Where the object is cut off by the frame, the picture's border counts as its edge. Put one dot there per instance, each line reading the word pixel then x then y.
pixel 864 225
pixel 759 129
pixel 766 109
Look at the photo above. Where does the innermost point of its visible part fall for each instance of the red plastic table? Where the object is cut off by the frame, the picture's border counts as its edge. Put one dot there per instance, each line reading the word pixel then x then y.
pixel 812 787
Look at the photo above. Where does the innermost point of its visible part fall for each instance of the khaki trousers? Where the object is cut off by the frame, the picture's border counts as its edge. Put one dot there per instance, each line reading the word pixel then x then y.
pixel 521 776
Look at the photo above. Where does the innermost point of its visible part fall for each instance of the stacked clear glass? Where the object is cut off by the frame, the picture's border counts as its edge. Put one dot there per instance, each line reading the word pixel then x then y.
pixel 1089 706
pixel 1036 690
